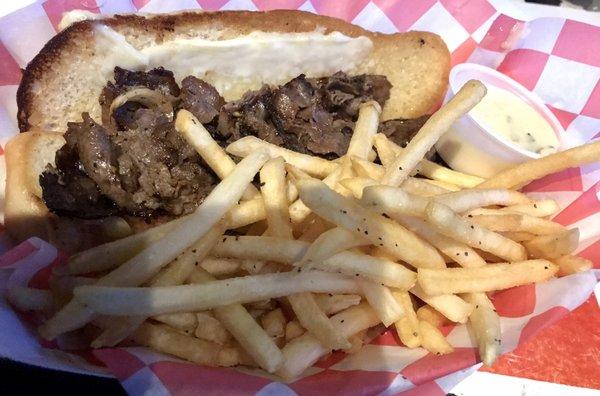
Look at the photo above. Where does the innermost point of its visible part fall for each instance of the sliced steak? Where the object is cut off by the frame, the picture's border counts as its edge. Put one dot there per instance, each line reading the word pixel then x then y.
pixel 157 79
pixel 201 99
pixel 314 116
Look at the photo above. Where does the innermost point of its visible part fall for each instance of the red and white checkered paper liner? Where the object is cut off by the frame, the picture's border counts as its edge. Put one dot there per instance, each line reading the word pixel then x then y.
pixel 556 58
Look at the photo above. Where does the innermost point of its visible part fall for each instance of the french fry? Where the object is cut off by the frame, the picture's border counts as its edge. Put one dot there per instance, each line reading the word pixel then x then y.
pixel 542 208
pixel 314 229
pixel 553 246
pixel 382 301
pixel 413 185
pixel 289 252
pixel 149 301
pixel 315 166
pixel 299 211
pixel 224 196
pixel 433 340
pixel 314 320
pixel 242 326
pixel 293 330
pixel 357 341
pixel 428 168
pixel 253 266
pixel 451 306
pixel 367 169
pixel 356 185
pixel 397 200
pixel 407 326
pixel 110 255
pixel 149 261
pixel 246 213
pixel 442 184
pixel 330 243
pixel 29 299
pixel 518 222
pixel 483 279
pixel 521 174
pixel 174 274
pixel 117 331
pixel 485 324
pixel 199 138
pixel 423 187
pixel 384 150
pixel 274 323
pixel 456 251
pixel 518 236
pixel 167 340
pixel 184 321
pixel 219 267
pixel 429 314
pixel 379 230
pixel 302 352
pixel 331 304
pixel 442 174
pixel 450 224
pixel 365 129
pixel 568 265
pixel 273 186
pixel 405 162
pixel 180 269
pixel 210 329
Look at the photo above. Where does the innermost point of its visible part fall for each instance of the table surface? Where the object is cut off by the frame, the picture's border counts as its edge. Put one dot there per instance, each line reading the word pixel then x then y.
pixel 576 338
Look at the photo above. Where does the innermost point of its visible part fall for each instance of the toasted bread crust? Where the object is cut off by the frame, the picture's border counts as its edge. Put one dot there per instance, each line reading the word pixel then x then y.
pixel 417 63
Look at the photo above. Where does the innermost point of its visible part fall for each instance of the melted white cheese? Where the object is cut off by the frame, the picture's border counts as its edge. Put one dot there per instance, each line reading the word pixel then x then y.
pixel 244 62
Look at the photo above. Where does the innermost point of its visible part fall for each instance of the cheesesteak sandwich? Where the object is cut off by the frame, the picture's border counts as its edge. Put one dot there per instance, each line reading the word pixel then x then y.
pixel 99 153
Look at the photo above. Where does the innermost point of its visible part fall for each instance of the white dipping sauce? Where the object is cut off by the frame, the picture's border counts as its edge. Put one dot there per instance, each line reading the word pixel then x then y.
pixel 507 115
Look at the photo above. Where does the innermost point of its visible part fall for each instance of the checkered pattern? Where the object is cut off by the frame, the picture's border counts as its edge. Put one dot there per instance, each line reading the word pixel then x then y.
pixel 544 55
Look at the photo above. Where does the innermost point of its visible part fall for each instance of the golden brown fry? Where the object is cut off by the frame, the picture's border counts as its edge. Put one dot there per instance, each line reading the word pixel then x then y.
pixel 331 304
pixel 293 329
pixel 451 306
pixel 542 208
pixel 364 129
pixel 210 329
pixel 273 190
pixel 315 166
pixel 200 139
pixel 485 323
pixel 242 326
pixel 381 299
pixel 429 314
pixel 553 246
pixel 520 175
pixel 407 326
pixel 219 267
pixel 433 340
pixel 518 222
pixel 380 231
pixel 572 264
pixel 302 352
pixel 314 320
pixel 450 224
pixel 167 340
pixel 406 161
pixel 184 321
pixel 483 279
pixel 274 323
pixel 289 252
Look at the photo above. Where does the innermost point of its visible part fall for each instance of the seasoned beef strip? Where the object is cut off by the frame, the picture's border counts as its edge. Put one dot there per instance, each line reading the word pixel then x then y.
pixel 135 163
pixel 314 116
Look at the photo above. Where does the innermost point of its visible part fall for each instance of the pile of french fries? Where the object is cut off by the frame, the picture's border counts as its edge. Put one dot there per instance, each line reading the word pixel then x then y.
pixel 279 276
